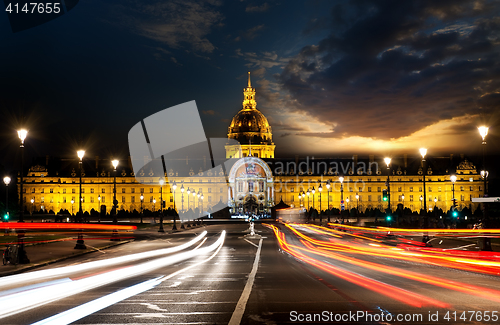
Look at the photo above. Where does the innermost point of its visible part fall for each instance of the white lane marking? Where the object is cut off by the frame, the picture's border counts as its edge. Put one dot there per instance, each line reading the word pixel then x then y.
pixel 445 249
pixel 242 303
pixel 175 284
pixel 250 242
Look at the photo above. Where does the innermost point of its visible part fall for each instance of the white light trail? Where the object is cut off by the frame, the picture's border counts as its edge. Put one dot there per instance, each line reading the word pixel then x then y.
pixel 38 275
pixel 74 314
pixel 22 301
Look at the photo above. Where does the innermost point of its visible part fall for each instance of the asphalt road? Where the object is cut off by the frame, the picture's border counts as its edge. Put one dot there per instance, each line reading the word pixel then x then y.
pixel 246 284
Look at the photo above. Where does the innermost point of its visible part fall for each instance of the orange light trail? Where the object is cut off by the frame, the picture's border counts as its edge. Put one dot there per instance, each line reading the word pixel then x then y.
pixel 407 297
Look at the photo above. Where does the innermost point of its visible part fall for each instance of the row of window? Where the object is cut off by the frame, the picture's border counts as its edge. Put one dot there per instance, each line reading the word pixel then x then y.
pixel 103 190
pixel 400 189
pixel 401 198
pixel 133 199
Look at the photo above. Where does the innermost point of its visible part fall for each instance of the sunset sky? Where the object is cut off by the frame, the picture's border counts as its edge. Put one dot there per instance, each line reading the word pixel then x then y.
pixel 333 77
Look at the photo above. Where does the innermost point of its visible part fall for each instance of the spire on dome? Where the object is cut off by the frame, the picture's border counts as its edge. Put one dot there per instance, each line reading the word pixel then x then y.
pixel 249 96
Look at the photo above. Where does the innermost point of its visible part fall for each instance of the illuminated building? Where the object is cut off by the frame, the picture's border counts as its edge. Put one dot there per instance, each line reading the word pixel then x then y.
pixel 258 180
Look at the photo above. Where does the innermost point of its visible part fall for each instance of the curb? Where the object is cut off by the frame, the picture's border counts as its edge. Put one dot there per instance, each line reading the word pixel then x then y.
pixel 34 266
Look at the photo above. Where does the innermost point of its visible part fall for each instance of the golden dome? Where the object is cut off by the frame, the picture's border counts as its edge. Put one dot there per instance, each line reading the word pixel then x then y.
pixel 250 124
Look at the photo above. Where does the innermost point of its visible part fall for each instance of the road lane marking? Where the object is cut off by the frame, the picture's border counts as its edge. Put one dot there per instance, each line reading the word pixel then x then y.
pixel 240 307
pixel 250 242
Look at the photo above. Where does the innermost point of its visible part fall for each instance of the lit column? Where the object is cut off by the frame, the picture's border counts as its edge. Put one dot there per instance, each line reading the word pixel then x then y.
pixel 161 205
pixel 99 203
pixel 22 136
pixel 423 152
pixel 320 188
pixel 6 181
pixel 357 203
pixel 328 194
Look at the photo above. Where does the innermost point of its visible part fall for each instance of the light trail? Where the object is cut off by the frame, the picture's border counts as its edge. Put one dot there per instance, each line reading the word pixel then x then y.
pixel 74 314
pixel 452 259
pixel 20 302
pixel 53 226
pixel 43 274
pixel 407 297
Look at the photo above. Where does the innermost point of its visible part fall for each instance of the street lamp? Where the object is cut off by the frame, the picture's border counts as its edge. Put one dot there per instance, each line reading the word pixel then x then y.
pixel 174 186
pixel 303 198
pixel 453 179
pixel 99 202
pixel 403 198
pixel 423 152
pixel 328 192
pixel 115 202
pixel 320 188
pixel 72 202
pixel 201 197
pixel 308 192
pixel 32 202
pixel 357 203
pixel 341 180
pixel 182 199
pixel 6 180
pixel 188 192
pixel 142 201
pixel 80 154
pixel 387 161
pixel 313 191
pixel 161 205
pixel 22 136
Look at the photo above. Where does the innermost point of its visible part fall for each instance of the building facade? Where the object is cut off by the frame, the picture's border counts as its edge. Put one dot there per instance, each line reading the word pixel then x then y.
pixel 257 180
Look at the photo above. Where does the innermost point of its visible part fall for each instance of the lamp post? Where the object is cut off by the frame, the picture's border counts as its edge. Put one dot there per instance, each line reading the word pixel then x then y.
pixel 303 198
pixel 387 161
pixel 161 205
pixel 320 189
pixel 421 199
pixel 483 131
pixel 188 193
pixel 403 198
pixel 423 152
pixel 308 202
pixel 72 202
pixel 174 186
pixel 22 136
pixel 80 154
pixel 6 181
pixel 154 202
pixel 328 193
pixel 199 195
pixel 142 201
pixel 99 203
pixel 313 191
pixel 182 199
pixel 453 179
pixel 194 197
pixel 341 180
pixel 32 203
pixel 435 203
pixel 115 202
pixel 357 203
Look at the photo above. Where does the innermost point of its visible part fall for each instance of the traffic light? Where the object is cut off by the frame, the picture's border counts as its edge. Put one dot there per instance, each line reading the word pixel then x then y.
pixel 384 195
pixel 6 216
pixel 455 214
pixel 388 218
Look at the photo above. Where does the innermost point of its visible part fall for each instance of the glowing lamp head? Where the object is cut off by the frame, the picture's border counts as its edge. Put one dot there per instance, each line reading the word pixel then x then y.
pixel 387 161
pixel 194 193
pixel 307 192
pixel 320 188
pixel 154 201
pixel 303 194
pixel 453 178
pixel 142 197
pixel 161 182
pixel 80 154
pixel 313 190
pixel 188 191
pixel 182 188
pixel 435 200
pixel 483 131
pixel 114 162
pixel 328 185
pixel 341 179
pixel 484 173
pixel 421 198
pixel 6 180
pixel 347 200
pixel 423 152
pixel 174 186
pixel 201 197
pixel 402 197
pixel 22 134
pixel 72 201
pixel 357 197
pixel 32 201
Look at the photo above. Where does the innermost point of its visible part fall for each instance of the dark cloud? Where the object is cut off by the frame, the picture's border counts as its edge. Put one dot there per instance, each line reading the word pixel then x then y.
pixel 390 68
pixel 262 8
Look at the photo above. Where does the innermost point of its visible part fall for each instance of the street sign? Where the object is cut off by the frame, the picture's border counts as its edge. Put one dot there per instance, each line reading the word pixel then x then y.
pixel 342 202
pixel 342 207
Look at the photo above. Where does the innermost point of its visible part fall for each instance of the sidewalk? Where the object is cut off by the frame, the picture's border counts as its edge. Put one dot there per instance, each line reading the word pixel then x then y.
pixel 44 254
